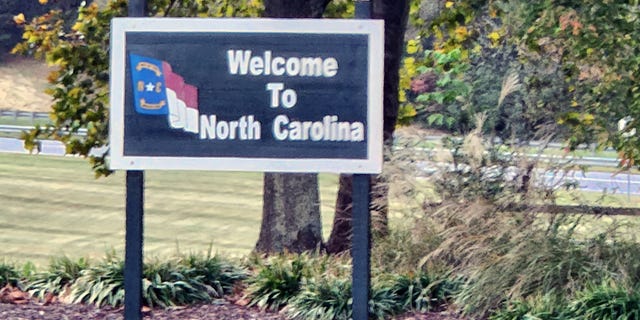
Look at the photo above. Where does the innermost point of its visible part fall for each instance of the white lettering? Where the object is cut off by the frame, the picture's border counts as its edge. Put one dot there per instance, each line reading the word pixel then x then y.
pixel 256 65
pixel 267 64
pixel 293 66
pixel 222 130
pixel 238 60
pixel 330 67
pixel 289 98
pixel 275 88
pixel 278 66
pixel 242 62
pixel 245 128
pixel 311 67
pixel 327 129
pixel 317 131
pixel 279 132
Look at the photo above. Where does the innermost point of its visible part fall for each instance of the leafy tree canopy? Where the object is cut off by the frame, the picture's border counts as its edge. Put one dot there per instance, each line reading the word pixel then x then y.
pixel 80 85
pixel 563 67
pixel 79 47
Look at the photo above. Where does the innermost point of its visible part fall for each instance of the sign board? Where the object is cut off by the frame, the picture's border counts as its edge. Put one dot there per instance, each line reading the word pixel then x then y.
pixel 277 95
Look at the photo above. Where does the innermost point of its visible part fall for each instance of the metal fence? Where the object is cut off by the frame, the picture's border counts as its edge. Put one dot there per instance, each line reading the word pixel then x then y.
pixel 15 114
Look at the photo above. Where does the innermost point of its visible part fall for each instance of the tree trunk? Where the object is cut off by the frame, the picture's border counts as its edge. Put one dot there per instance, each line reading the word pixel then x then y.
pixel 291 214
pixel 291 202
pixel 395 14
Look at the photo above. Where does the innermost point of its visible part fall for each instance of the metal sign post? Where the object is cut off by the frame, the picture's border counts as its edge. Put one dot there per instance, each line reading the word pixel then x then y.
pixel 361 241
pixel 134 222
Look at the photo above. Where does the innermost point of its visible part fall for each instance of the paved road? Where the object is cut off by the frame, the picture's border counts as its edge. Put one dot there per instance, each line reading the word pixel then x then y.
pixel 48 147
pixel 590 181
pixel 620 183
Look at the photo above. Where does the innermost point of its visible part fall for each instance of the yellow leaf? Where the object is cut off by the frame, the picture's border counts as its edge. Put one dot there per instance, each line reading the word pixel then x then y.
pixel 574 103
pixel 19 19
pixel 402 97
pixel 410 66
pixel 588 118
pixel 461 33
pixel 448 4
pixel 77 26
pixel 494 36
pixel 412 46
pixel 43 1
pixel 32 39
pixel 74 93
pixel 493 13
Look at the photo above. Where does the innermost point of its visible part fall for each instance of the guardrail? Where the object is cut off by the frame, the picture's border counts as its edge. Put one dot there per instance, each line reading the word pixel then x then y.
pixel 587 161
pixel 15 114
pixel 17 129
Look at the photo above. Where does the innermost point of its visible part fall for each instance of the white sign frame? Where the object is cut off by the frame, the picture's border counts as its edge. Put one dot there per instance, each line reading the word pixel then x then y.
pixel 374 29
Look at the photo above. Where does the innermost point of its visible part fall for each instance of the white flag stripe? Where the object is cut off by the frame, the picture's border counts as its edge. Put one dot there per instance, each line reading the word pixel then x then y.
pixel 176 118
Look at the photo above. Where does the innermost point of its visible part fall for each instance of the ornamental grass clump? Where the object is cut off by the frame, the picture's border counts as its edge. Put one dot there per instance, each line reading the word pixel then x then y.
pixel 185 280
pixel 278 280
pixel 62 272
pixel 549 306
pixel 214 271
pixel 168 283
pixel 423 291
pixel 8 275
pixel 607 301
pixel 323 298
pixel 100 284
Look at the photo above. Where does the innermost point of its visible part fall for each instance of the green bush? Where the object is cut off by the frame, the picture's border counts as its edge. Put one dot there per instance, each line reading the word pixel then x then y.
pixel 167 284
pixel 101 284
pixel 189 279
pixel 540 307
pixel 422 292
pixel 8 275
pixel 213 270
pixel 186 280
pixel 62 272
pixel 607 301
pixel 324 298
pixel 277 281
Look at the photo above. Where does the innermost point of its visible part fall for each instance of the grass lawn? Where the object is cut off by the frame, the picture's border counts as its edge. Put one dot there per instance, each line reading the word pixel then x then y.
pixel 53 206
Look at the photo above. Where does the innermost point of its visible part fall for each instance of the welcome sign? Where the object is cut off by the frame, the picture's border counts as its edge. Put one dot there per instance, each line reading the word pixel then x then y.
pixel 278 95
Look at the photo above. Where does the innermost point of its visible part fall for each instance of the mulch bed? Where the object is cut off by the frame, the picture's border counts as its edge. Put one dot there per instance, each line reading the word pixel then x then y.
pixel 220 311
pixel 17 305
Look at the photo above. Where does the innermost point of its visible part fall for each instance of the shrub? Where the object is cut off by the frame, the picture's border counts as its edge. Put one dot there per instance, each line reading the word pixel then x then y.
pixel 62 272
pixel 422 292
pixel 101 284
pixel 186 280
pixel 214 271
pixel 540 307
pixel 190 279
pixel 167 284
pixel 607 301
pixel 329 297
pixel 324 298
pixel 8 275
pixel 277 281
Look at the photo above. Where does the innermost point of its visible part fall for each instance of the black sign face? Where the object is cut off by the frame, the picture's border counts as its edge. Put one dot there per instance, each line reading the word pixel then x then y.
pixel 247 94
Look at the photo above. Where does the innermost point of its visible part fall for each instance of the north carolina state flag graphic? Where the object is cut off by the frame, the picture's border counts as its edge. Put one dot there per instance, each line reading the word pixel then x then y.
pixel 157 90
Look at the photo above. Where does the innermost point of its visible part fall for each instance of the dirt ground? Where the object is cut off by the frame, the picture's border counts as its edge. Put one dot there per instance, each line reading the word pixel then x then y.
pixel 219 310
pixel 22 84
pixel 16 304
